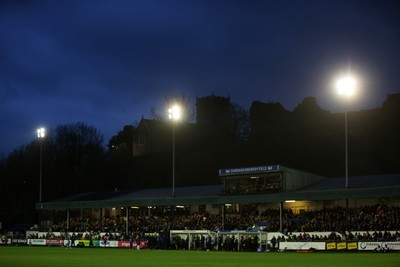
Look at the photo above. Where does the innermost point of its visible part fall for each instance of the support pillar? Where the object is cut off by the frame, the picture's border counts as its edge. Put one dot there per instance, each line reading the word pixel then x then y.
pixel 281 217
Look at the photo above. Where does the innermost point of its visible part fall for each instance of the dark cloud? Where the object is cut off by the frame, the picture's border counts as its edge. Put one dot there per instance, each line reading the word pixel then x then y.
pixel 107 63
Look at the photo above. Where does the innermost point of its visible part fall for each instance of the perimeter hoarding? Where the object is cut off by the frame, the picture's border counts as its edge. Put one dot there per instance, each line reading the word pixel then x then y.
pixel 302 245
pixel 368 246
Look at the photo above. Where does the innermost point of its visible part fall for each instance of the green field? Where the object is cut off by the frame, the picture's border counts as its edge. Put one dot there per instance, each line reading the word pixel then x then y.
pixel 84 257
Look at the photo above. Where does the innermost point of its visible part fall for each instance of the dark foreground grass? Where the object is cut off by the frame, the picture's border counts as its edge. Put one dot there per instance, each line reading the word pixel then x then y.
pixel 108 257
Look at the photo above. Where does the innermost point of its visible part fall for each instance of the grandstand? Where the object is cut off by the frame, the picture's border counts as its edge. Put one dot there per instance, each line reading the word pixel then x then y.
pixel 252 207
pixel 294 189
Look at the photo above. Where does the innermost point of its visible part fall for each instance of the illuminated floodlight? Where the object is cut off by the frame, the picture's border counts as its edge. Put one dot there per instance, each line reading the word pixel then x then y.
pixel 346 86
pixel 175 113
pixel 41 132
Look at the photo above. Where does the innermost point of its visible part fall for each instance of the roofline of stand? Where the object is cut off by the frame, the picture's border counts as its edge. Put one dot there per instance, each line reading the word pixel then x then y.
pixel 359 193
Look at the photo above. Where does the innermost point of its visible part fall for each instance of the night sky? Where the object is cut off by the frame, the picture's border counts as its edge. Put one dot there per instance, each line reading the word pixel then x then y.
pixel 108 63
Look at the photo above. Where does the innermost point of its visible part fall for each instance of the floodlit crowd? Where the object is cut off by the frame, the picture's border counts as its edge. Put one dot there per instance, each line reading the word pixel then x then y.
pixel 377 219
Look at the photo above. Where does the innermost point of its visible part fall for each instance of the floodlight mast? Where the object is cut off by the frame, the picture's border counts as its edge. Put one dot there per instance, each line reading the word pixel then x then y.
pixel 174 114
pixel 41 134
pixel 346 86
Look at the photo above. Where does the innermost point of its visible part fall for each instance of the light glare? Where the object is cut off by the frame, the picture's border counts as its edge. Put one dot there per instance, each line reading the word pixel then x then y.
pixel 346 86
pixel 174 113
pixel 41 132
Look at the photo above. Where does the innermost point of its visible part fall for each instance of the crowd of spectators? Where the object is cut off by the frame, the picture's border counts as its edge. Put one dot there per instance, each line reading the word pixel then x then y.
pixel 374 221
pixel 338 219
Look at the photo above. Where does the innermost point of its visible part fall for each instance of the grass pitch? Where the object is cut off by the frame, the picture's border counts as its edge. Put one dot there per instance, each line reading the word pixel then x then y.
pixel 11 256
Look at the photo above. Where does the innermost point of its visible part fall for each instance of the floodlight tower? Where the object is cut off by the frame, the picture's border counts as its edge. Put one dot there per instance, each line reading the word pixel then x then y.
pixel 174 114
pixel 41 133
pixel 346 87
